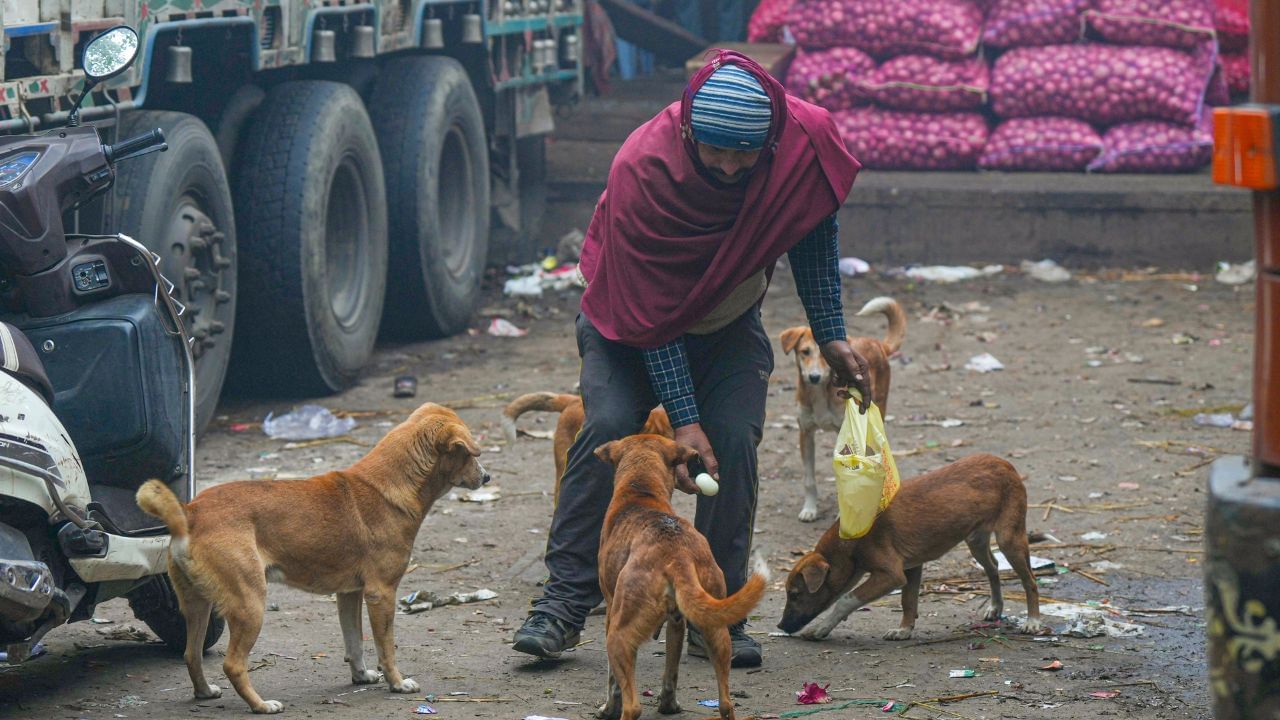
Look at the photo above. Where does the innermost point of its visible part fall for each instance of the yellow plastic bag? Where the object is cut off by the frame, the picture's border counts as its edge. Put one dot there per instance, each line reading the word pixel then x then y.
pixel 866 476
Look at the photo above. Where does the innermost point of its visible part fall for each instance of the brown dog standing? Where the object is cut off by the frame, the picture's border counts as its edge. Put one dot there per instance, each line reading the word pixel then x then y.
pixel 572 416
pixel 654 568
pixel 967 501
pixel 348 532
pixel 821 407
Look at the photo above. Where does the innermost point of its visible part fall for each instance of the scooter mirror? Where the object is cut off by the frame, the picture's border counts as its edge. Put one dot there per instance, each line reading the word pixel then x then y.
pixel 110 53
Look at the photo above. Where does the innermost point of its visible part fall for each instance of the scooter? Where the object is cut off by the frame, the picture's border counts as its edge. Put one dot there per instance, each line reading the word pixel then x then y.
pixel 96 387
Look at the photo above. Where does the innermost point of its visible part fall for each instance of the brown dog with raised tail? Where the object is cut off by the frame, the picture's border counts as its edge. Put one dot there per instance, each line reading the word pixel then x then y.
pixel 966 501
pixel 348 532
pixel 655 568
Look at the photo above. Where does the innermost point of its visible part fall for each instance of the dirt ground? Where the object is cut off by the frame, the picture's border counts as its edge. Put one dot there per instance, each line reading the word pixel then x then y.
pixel 1105 451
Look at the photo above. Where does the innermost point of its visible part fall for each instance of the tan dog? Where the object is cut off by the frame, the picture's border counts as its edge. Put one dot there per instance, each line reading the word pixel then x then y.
pixel 967 501
pixel 655 568
pixel 821 407
pixel 348 532
pixel 572 416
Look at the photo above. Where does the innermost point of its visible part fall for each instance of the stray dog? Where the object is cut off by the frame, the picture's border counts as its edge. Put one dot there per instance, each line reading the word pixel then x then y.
pixel 966 501
pixel 654 568
pixel 348 532
pixel 572 416
pixel 821 407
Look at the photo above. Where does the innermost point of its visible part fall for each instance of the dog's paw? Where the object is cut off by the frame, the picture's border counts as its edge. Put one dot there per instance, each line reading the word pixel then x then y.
pixel 809 513
pixel 899 634
pixel 213 692
pixel 1033 626
pixel 991 612
pixel 365 677
pixel 609 713
pixel 269 707
pixel 814 634
pixel 407 685
pixel 667 705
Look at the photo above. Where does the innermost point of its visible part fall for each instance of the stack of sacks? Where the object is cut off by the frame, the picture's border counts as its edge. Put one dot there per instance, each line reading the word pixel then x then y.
pixel 1232 22
pixel 920 107
pixel 1145 83
pixel 1043 139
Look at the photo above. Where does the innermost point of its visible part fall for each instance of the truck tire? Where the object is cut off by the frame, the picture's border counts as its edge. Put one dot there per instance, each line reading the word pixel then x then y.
pixel 178 204
pixel 512 247
pixel 436 159
pixel 308 183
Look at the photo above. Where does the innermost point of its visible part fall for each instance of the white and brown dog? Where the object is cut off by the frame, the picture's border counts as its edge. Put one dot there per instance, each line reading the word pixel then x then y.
pixel 821 407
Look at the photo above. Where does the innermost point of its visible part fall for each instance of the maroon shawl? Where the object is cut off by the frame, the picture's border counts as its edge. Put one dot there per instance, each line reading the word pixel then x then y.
pixel 668 243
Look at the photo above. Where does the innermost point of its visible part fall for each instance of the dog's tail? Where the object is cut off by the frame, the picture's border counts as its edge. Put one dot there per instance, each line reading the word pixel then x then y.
pixel 533 402
pixel 155 498
pixel 705 611
pixel 890 308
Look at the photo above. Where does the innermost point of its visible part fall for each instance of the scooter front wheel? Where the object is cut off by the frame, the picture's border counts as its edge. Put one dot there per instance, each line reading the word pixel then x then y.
pixel 156 604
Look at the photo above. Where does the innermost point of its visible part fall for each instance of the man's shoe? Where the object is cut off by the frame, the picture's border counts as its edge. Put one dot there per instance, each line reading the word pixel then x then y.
pixel 746 651
pixel 545 636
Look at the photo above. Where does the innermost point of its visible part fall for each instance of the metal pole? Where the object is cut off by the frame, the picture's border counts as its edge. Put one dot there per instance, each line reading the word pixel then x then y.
pixel 1242 524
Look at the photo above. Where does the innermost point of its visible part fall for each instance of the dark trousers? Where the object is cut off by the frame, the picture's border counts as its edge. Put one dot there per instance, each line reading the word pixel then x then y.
pixel 731 369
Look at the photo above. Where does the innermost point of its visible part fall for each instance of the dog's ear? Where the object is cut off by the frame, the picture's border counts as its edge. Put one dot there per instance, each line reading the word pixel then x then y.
pixel 814 573
pixel 790 339
pixel 610 452
pixel 456 438
pixel 678 454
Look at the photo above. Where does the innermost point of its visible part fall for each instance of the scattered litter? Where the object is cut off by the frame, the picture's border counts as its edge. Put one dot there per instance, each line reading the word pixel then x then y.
pixel 1128 486
pixel 1094 535
pixel 853 267
pixel 1098 625
pixel 1054 666
pixel 101 621
pixel 1046 271
pixel 709 703
pixel 647 693
pixel 499 327
pixel 813 694
pixel 36 652
pixel 951 273
pixel 1105 565
pixel 1037 563
pixel 130 701
pixel 984 363
pixel 534 278
pixel 1229 274
pixel 273 607
pixel 1154 322
pixel 424 710
pixel 540 717
pixel 406 386
pixel 964 673
pixel 242 427
pixel 1105 694
pixel 309 422
pixel 483 495
pixel 423 600
pixel 125 632
pixel 1218 420
pixel 1183 339
pixel 1247 412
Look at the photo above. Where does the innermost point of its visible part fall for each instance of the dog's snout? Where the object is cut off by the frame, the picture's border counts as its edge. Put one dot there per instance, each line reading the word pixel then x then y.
pixel 815 377
pixel 485 478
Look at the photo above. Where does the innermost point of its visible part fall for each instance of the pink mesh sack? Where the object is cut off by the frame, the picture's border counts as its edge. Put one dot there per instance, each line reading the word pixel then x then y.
pixel 1154 147
pixel 1170 23
pixel 1102 84
pixel 1032 23
pixel 895 140
pixel 828 77
pixel 1048 144
pixel 926 84
pixel 884 28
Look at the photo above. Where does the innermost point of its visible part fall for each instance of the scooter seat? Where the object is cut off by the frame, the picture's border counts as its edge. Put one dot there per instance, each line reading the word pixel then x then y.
pixel 18 358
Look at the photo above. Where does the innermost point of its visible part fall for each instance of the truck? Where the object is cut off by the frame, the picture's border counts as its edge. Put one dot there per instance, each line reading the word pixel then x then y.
pixel 337 170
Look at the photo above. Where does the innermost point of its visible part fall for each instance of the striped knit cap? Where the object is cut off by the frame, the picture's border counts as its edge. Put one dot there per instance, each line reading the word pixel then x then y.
pixel 731 110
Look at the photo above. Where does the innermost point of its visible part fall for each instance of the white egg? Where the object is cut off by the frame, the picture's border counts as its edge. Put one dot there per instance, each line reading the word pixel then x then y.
pixel 707 484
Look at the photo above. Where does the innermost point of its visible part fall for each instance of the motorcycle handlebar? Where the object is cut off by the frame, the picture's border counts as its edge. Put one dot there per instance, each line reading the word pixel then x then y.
pixel 138 145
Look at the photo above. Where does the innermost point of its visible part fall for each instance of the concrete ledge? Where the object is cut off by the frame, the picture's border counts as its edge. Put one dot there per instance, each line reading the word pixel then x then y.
pixel 1171 221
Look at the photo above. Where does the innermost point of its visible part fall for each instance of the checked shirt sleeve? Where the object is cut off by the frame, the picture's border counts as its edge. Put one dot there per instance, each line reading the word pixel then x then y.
pixel 815 263
pixel 672 382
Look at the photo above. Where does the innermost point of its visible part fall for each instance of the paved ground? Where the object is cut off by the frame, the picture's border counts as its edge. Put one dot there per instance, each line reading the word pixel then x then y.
pixel 1114 466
